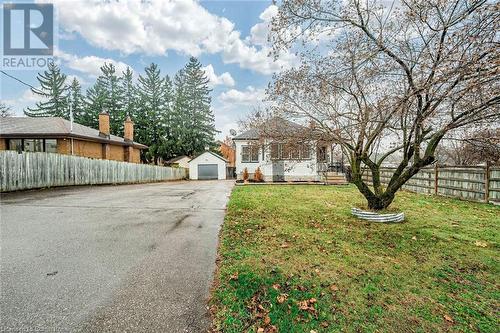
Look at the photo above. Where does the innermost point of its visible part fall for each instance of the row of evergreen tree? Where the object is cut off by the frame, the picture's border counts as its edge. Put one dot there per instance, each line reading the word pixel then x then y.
pixel 172 117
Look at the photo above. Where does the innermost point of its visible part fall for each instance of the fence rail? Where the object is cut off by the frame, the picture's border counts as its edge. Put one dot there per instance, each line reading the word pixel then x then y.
pixel 476 183
pixel 38 170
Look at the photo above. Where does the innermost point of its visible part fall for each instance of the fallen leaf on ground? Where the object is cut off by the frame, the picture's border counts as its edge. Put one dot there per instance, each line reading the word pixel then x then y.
pixel 324 324
pixel 282 298
pixel 334 288
pixel 284 245
pixel 414 238
pixel 276 286
pixel 260 330
pixel 480 244
pixel 448 318
pixel 234 276
pixel 267 320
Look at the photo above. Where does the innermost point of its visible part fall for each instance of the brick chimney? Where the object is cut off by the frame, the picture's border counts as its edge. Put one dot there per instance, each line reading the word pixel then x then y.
pixel 104 124
pixel 128 129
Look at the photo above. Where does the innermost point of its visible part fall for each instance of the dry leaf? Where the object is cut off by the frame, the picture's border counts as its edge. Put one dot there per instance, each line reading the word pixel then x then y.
pixel 260 330
pixel 234 276
pixel 448 318
pixel 284 245
pixel 414 238
pixel 282 298
pixel 313 331
pixel 276 286
pixel 303 305
pixel 480 244
pixel 267 320
pixel 324 324
pixel 334 288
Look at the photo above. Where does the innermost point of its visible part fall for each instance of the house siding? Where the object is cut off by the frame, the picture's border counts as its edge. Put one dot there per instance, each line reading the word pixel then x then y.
pixel 3 144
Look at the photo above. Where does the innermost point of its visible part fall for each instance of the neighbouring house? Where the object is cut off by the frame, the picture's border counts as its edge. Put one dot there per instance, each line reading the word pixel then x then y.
pixel 58 135
pixel 227 151
pixel 179 161
pixel 278 160
pixel 208 165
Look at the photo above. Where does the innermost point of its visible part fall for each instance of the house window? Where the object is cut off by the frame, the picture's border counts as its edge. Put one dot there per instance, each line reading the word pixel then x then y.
pixel 292 152
pixel 16 144
pixel 249 154
pixel 305 151
pixel 33 145
pixel 322 154
pixel 275 151
pixel 50 145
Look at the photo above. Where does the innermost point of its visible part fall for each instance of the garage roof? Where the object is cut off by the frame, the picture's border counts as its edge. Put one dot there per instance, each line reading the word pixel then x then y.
pixel 209 152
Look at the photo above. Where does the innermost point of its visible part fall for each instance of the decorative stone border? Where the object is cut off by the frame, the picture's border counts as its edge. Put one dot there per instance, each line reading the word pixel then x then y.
pixel 375 217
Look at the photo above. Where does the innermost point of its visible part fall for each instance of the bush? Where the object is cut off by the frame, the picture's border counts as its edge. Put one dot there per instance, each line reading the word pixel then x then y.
pixel 258 176
pixel 245 174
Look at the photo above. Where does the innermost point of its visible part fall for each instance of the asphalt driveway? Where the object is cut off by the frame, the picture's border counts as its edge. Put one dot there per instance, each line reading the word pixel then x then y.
pixel 130 258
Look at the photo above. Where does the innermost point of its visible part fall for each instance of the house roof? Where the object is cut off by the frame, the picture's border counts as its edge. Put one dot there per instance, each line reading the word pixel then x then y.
pixel 209 152
pixel 275 124
pixel 176 159
pixel 55 127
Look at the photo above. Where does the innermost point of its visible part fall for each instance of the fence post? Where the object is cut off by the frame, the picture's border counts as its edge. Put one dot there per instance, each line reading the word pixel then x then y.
pixel 436 172
pixel 487 182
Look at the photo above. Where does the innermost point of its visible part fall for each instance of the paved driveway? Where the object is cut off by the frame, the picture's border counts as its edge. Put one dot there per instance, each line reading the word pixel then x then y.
pixel 131 258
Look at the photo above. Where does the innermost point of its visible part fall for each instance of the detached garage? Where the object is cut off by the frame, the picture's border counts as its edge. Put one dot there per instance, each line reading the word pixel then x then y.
pixel 207 166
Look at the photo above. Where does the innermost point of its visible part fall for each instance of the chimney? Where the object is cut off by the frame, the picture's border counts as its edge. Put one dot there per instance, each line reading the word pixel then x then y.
pixel 104 124
pixel 128 129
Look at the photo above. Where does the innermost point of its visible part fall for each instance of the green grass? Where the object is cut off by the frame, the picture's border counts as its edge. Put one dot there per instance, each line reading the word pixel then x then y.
pixel 292 259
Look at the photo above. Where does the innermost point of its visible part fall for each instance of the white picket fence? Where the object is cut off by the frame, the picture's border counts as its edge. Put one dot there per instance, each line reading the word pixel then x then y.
pixel 38 170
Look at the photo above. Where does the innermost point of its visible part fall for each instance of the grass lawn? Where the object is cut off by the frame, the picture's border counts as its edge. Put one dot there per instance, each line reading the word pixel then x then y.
pixel 292 259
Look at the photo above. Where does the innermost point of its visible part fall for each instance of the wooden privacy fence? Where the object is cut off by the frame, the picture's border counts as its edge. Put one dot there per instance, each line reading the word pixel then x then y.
pixel 37 170
pixel 476 183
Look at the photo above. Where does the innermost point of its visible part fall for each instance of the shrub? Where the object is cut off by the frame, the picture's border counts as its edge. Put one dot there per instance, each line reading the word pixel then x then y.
pixel 245 174
pixel 258 176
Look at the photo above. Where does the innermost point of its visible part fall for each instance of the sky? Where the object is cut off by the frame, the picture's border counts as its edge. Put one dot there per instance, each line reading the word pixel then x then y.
pixel 228 37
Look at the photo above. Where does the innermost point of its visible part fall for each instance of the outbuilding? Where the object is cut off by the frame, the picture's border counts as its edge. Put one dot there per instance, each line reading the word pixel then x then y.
pixel 207 165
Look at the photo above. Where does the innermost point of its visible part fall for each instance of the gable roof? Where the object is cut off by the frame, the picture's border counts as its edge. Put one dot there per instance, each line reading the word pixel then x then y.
pixel 55 127
pixel 275 124
pixel 178 158
pixel 209 152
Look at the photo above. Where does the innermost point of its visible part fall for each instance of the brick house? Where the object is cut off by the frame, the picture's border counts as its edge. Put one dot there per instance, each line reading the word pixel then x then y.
pixel 57 135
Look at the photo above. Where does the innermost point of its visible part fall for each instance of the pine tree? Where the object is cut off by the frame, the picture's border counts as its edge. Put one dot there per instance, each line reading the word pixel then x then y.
pixel 193 105
pixel 5 110
pixel 113 98
pixel 129 92
pixel 94 104
pixel 150 116
pixel 53 90
pixel 76 101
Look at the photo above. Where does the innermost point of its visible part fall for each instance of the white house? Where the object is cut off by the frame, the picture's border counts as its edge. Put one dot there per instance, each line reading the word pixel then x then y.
pixel 278 161
pixel 207 165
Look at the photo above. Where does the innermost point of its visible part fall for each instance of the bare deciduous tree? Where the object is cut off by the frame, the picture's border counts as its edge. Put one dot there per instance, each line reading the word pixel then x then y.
pixel 374 72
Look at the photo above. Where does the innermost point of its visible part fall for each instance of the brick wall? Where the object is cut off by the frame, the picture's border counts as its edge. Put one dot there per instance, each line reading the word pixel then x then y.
pixel 116 153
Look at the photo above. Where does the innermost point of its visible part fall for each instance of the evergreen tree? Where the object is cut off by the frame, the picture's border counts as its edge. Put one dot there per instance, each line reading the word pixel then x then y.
pixel 193 108
pixel 76 101
pixel 151 112
pixel 113 98
pixel 94 104
pixel 53 89
pixel 5 110
pixel 129 92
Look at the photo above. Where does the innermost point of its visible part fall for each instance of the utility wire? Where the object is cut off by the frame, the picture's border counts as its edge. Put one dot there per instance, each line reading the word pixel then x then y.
pixel 22 82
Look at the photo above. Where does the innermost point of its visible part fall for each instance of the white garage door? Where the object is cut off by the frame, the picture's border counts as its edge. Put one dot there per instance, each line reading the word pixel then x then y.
pixel 208 171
